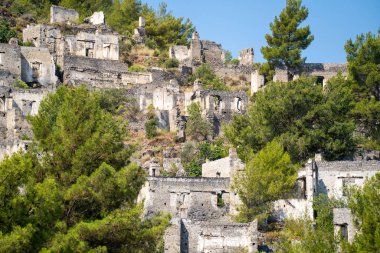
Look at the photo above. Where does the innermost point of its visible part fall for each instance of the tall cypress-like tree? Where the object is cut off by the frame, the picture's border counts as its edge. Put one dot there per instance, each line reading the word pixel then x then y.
pixel 287 39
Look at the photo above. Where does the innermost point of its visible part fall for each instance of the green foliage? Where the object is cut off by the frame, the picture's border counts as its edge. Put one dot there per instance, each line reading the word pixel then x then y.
pixel 151 128
pixel 193 155
pixel 136 68
pixel 20 84
pixel 365 206
pixel 208 77
pixel 287 39
pixel 196 126
pixel 268 176
pixel 227 56
pixel 163 29
pixel 120 231
pixel 234 62
pixel 86 8
pixel 6 32
pixel 302 236
pixel 72 191
pixel 301 117
pixel 76 136
pixel 364 68
pixel 171 63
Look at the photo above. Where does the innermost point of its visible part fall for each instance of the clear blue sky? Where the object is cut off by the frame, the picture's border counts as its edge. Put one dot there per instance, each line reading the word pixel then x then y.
pixel 241 24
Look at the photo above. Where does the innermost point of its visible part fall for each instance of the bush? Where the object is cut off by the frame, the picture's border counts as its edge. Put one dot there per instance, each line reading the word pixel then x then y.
pixel 20 84
pixel 151 128
pixel 234 62
pixel 136 68
pixel 209 79
pixel 6 32
pixel 171 63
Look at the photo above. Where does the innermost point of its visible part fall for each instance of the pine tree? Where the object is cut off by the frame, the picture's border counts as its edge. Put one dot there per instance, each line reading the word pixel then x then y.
pixel 287 40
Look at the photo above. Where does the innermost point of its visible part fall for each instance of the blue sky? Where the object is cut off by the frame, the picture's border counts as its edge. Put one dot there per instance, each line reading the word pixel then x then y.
pixel 241 24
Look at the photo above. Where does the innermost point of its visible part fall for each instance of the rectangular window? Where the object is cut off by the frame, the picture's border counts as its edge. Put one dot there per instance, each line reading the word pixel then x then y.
pixel 344 231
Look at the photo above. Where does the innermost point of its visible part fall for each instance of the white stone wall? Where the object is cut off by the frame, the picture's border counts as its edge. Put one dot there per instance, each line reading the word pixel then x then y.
pixel 37 65
pixel 98 46
pixel 332 174
pixel 59 14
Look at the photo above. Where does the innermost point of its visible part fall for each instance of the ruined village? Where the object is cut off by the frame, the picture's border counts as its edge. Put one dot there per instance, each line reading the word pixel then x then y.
pixel 66 52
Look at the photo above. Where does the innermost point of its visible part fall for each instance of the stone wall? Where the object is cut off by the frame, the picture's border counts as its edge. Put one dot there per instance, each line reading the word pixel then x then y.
pixel 224 167
pixel 28 100
pixel 59 14
pixel 212 53
pixel 192 198
pixel 246 57
pixel 334 176
pixel 46 36
pixel 10 60
pixel 344 227
pixel 218 237
pixel 37 66
pixel 93 45
pixel 98 73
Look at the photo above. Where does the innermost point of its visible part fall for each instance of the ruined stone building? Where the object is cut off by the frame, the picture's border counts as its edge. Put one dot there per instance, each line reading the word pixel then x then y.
pixel 201 208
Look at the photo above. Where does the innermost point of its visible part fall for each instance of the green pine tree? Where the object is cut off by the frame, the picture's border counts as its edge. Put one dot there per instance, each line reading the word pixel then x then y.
pixel 287 40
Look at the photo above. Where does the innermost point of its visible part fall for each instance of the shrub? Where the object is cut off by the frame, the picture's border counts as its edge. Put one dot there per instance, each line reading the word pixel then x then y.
pixel 136 68
pixel 171 63
pixel 151 128
pixel 20 84
pixel 234 61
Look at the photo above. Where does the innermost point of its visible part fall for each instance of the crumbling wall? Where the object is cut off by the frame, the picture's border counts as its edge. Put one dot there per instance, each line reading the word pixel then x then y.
pixel 94 45
pixel 59 14
pixel 257 81
pixel 333 177
pixel 246 57
pixel 10 60
pixel 98 73
pixel 344 227
pixel 192 198
pixel 212 53
pixel 218 236
pixel 46 36
pixel 37 66
pixel 195 50
pixel 28 100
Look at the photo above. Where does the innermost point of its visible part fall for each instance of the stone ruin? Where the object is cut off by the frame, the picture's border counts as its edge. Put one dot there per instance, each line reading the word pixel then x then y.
pixel 202 208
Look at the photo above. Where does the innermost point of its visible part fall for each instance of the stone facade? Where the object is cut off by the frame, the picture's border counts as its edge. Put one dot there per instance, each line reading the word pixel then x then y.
pixel 246 57
pixel 59 14
pixel 93 45
pixel 37 66
pixel 344 227
pixel 322 71
pixel 97 73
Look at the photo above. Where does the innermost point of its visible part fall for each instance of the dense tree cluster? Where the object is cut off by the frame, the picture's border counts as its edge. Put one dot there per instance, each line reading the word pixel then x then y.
pixel 74 190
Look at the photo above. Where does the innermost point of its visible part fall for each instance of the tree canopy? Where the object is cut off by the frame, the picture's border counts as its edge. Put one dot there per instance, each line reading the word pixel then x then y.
pixel 74 190
pixel 287 40
pixel 270 175
pixel 301 117
pixel 363 56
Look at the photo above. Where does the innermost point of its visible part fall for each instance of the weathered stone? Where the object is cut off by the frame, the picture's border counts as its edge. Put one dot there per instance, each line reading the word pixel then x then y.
pixel 59 14
pixel 344 227
pixel 246 57
pixel 37 66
